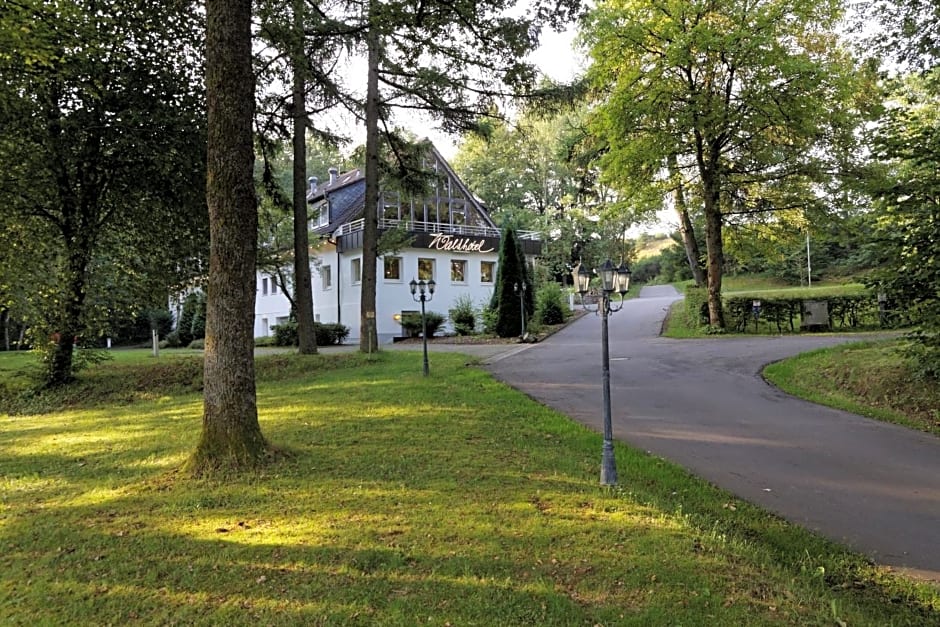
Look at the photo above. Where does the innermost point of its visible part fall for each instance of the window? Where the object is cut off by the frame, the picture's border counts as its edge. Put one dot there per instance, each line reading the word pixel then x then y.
pixel 321 212
pixel 264 286
pixel 487 271
pixel 425 269
pixel 392 268
pixel 327 276
pixel 458 271
pixel 355 267
pixel 273 285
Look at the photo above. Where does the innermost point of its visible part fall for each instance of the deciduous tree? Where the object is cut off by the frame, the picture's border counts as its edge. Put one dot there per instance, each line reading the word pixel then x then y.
pixel 101 137
pixel 739 93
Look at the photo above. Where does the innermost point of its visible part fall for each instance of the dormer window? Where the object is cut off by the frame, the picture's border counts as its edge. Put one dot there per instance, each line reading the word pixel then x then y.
pixel 320 214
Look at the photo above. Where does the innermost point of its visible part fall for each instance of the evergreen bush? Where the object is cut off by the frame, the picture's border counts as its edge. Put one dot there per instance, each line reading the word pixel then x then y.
pixel 551 306
pixel 285 334
pixel 463 316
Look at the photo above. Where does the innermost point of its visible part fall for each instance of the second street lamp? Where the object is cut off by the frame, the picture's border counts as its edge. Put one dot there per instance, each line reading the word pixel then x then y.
pixel 521 292
pixel 421 292
pixel 613 279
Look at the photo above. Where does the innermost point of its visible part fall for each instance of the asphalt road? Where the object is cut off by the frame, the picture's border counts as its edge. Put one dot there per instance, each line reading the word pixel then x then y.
pixel 703 404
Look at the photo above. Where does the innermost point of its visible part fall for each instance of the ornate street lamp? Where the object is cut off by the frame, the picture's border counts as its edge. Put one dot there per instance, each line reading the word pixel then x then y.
pixel 520 290
pixel 613 279
pixel 421 292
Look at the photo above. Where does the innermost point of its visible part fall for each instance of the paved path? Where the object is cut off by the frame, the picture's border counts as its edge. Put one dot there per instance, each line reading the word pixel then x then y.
pixel 703 405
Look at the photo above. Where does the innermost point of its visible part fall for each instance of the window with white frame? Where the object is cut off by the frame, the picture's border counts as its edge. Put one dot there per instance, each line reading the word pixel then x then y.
pixel 355 270
pixel 392 270
pixel 273 285
pixel 321 213
pixel 487 271
pixel 326 275
pixel 425 269
pixel 458 271
pixel 264 286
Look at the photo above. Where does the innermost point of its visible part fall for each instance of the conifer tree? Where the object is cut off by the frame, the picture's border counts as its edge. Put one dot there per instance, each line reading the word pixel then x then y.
pixel 511 273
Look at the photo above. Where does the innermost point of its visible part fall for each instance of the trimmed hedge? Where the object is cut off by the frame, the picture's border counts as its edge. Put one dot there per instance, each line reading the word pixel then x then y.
pixel 786 314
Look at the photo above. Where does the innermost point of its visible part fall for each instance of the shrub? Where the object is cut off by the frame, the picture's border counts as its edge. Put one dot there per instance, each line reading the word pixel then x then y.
pixel 696 298
pixel 550 304
pixel 330 334
pixel 199 344
pixel 172 340
pixel 266 340
pixel 412 323
pixel 489 317
pixel 285 334
pixel 463 316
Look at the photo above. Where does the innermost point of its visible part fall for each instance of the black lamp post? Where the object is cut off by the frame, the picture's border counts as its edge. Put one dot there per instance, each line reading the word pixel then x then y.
pixel 421 292
pixel 613 279
pixel 520 290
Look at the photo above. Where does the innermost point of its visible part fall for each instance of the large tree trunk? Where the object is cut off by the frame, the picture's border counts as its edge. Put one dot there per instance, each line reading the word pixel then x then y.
pixel 715 247
pixel 231 436
pixel 368 337
pixel 303 291
pixel 69 325
pixel 692 254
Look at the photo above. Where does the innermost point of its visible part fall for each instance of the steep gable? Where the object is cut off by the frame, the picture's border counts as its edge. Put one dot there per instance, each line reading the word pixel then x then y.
pixel 447 206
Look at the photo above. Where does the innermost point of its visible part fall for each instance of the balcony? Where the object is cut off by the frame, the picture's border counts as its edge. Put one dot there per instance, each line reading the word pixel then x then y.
pixel 433 227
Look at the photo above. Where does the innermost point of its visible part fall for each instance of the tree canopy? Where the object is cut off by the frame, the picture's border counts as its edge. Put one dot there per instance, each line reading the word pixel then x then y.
pixel 746 97
pixel 102 141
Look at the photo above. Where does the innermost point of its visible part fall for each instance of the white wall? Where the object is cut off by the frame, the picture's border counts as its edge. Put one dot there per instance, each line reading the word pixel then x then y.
pixel 392 296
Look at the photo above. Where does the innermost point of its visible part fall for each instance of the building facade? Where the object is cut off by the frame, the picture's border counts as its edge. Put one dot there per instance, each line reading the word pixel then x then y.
pixel 452 240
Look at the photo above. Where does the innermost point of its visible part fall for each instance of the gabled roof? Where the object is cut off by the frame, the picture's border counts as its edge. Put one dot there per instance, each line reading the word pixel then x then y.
pixel 340 182
pixel 346 195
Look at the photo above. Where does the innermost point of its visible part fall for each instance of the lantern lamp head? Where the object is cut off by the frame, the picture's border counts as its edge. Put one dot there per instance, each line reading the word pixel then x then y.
pixel 623 279
pixel 608 276
pixel 582 280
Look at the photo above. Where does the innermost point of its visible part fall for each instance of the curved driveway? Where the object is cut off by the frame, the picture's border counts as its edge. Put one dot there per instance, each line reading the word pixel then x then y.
pixel 703 404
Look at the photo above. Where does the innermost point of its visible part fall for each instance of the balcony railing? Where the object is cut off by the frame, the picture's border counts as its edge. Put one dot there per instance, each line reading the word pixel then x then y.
pixel 433 227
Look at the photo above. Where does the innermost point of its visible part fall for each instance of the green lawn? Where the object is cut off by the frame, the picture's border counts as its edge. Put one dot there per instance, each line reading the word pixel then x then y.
pixel 867 378
pixel 401 500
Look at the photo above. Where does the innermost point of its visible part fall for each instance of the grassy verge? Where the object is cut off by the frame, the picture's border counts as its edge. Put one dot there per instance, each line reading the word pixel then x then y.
pixel 442 500
pixel 866 378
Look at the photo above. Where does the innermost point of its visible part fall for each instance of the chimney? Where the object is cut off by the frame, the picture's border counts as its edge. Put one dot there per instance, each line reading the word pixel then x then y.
pixel 313 183
pixel 334 174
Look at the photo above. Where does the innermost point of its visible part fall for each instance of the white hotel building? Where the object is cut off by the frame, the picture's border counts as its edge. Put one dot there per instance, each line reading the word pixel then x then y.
pixel 454 242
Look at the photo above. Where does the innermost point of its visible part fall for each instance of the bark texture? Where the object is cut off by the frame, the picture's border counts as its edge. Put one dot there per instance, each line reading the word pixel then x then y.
pixel 692 254
pixel 231 436
pixel 303 290
pixel 368 338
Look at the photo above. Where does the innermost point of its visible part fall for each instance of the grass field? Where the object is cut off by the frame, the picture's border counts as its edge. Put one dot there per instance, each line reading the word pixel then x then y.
pixel 867 378
pixel 447 500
